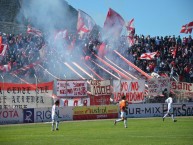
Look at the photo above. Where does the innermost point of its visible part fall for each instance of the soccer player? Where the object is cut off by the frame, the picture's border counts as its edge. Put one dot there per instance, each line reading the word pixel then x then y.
pixel 54 116
pixel 122 105
pixel 169 101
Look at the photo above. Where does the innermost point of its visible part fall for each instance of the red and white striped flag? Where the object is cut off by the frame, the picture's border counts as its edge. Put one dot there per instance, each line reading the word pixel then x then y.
pixel 85 23
pixel 113 24
pixel 148 56
pixel 131 31
pixel 34 31
pixel 187 28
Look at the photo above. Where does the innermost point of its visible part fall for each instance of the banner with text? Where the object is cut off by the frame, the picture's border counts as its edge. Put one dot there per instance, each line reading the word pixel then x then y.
pixel 71 88
pixel 95 112
pixel 99 87
pixel 132 89
pixel 44 114
pixel 100 92
pixel 11 116
pixel 158 110
pixel 26 95
pixel 182 89
pixel 156 86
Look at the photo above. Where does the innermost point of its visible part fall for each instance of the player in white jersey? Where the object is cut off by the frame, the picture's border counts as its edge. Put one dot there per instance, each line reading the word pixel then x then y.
pixel 54 116
pixel 170 110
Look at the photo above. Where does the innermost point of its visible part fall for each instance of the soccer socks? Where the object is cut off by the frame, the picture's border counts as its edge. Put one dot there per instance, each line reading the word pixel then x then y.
pixel 57 123
pixel 118 120
pixel 52 126
pixel 125 123
pixel 165 115
pixel 172 117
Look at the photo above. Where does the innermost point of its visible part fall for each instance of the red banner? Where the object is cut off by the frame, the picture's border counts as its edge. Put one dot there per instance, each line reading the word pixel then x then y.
pixel 100 100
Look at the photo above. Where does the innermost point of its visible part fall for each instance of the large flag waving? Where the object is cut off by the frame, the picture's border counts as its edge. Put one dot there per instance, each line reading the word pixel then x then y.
pixel 131 31
pixel 85 23
pixel 187 28
pixel 113 24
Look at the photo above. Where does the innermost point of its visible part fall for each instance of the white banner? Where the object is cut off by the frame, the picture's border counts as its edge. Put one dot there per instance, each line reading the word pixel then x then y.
pixel 71 88
pixel 132 89
pixel 144 110
pixel 156 86
pixel 44 114
pixel 182 89
pixel 26 95
pixel 99 87
pixel 158 110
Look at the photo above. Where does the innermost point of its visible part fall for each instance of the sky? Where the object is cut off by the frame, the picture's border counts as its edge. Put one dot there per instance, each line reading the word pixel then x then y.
pixel 151 17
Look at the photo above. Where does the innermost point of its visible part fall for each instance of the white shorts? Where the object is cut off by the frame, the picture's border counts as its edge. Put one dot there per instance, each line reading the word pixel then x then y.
pixel 123 114
pixel 55 119
pixel 170 111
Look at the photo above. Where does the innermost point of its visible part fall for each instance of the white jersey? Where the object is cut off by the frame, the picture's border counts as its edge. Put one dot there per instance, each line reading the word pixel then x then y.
pixel 169 101
pixel 54 110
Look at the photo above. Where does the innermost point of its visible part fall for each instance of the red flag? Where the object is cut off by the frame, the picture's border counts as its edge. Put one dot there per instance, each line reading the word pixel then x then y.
pixel 34 31
pixel 187 28
pixel 148 56
pixel 3 49
pixel 85 23
pixel 113 24
pixel 131 32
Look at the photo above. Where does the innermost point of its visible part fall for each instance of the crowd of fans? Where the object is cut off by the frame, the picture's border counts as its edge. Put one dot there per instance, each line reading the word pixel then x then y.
pixel 174 54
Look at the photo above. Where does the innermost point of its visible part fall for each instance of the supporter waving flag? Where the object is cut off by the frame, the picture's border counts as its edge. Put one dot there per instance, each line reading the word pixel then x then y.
pixel 113 24
pixel 148 56
pixel 131 31
pixel 187 28
pixel 34 31
pixel 85 23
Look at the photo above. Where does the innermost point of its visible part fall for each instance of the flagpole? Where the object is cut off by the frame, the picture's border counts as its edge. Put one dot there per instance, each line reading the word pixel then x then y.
pixel 36 87
pixel 3 90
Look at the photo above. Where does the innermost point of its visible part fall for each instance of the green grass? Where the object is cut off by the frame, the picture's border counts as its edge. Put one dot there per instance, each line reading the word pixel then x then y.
pixel 152 131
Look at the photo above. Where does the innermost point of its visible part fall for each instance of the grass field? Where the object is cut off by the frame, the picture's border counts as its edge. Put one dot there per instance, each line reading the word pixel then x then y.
pixel 151 131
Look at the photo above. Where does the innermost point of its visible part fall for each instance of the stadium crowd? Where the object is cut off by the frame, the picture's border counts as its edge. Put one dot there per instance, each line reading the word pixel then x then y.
pixel 174 54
